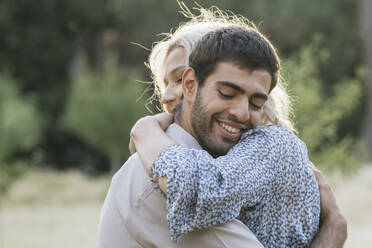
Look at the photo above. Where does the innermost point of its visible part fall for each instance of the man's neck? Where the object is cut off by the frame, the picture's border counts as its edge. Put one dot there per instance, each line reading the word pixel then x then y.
pixel 184 121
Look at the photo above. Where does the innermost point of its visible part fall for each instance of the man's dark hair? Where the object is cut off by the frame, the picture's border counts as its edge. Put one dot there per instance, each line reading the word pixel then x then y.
pixel 247 48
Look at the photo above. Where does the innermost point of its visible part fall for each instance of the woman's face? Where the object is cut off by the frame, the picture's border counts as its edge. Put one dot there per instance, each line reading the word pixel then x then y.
pixel 175 64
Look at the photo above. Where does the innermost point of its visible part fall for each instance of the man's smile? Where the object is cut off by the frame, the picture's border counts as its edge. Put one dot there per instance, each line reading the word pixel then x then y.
pixel 230 130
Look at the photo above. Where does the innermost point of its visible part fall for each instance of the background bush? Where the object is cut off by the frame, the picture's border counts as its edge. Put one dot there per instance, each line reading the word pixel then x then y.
pixel 62 113
pixel 319 111
pixel 103 106
pixel 20 129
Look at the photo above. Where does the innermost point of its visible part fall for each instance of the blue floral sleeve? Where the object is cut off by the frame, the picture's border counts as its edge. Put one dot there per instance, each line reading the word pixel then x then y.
pixel 204 191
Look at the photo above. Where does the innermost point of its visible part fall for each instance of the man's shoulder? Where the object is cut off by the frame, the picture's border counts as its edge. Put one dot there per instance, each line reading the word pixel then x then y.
pixel 275 138
pixel 285 147
pixel 130 166
pixel 291 151
pixel 282 136
pixel 274 130
pixel 131 179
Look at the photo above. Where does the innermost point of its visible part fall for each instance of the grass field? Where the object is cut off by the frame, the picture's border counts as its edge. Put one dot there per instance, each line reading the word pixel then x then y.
pixel 50 209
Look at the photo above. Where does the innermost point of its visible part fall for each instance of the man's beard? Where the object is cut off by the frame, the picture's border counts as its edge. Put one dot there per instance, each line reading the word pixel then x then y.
pixel 202 128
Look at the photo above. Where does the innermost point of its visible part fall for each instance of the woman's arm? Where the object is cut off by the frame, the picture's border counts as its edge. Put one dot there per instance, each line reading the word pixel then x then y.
pixel 193 187
pixel 333 228
pixel 203 191
pixel 148 138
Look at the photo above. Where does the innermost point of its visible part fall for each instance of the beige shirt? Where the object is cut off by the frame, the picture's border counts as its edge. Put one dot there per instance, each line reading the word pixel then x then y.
pixel 134 212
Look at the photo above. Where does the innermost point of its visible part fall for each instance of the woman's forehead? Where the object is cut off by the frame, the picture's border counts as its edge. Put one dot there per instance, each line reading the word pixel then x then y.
pixel 175 61
pixel 176 57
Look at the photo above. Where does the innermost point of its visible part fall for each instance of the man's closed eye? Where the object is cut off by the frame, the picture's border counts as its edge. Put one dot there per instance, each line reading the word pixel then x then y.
pixel 225 95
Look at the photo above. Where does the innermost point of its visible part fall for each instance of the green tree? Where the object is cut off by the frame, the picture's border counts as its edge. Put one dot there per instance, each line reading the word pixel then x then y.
pixel 365 8
pixel 20 127
pixel 102 107
pixel 40 42
pixel 43 37
pixel 318 114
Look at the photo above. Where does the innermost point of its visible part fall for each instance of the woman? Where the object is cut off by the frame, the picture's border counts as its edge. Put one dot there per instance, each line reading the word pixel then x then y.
pixel 168 61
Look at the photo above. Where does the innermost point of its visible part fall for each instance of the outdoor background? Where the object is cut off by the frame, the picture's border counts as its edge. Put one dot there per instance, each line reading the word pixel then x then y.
pixel 73 82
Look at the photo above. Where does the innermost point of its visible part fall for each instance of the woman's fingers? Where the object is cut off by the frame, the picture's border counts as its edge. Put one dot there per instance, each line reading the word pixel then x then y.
pixel 328 202
pixel 164 119
pixel 144 126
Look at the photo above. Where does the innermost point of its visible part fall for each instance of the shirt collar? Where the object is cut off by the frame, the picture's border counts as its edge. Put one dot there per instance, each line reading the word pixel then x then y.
pixel 182 137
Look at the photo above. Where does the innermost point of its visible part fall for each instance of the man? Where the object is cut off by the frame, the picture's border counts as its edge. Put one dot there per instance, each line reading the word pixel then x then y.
pixel 134 212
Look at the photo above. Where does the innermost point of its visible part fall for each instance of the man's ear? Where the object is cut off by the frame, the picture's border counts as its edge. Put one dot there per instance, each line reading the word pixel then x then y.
pixel 189 84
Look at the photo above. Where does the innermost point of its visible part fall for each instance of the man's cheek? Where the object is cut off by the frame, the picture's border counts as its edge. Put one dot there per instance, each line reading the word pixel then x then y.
pixel 256 118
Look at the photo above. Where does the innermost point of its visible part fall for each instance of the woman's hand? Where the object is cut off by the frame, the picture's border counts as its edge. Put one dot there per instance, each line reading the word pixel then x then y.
pixel 144 125
pixel 149 139
pixel 163 119
pixel 333 225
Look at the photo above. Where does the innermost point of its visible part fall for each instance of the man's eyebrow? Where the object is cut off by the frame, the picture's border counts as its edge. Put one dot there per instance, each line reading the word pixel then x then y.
pixel 231 85
pixel 237 88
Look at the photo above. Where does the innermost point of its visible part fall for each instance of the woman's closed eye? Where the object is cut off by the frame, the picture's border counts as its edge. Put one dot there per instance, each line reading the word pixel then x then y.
pixel 166 82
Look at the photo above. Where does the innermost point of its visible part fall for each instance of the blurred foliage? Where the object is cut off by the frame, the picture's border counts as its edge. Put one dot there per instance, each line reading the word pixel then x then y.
pixel 318 112
pixel 102 108
pixel 20 126
pixel 42 39
pixel 37 50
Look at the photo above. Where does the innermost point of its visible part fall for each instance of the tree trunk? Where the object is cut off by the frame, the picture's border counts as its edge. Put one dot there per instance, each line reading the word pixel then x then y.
pixel 365 10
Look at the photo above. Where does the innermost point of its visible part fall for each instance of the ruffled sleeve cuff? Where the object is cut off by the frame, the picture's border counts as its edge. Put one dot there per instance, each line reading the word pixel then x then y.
pixel 164 162
pixel 180 189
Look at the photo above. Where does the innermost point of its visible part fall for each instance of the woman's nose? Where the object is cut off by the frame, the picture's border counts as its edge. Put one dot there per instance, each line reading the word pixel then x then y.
pixel 168 96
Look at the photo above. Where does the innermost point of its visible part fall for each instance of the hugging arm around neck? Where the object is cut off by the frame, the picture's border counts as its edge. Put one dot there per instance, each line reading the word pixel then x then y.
pixel 150 139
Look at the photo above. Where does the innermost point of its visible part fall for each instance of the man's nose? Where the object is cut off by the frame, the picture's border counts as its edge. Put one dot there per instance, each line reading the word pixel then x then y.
pixel 241 111
pixel 168 96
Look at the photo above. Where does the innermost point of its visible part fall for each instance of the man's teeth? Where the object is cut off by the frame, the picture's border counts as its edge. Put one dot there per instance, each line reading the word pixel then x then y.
pixel 230 129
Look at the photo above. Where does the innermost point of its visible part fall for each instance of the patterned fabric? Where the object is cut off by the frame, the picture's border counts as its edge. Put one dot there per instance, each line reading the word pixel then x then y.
pixel 265 181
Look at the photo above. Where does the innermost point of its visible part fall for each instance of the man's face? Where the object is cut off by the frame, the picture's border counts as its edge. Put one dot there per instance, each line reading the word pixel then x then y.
pixel 229 103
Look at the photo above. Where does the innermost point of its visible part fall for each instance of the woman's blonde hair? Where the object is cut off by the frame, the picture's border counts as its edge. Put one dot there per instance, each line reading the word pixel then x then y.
pixel 277 109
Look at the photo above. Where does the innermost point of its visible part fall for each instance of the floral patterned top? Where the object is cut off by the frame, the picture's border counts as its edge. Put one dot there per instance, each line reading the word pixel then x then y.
pixel 266 181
